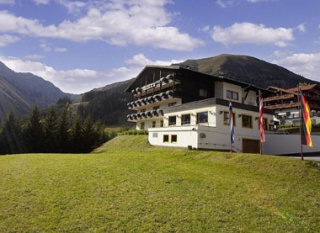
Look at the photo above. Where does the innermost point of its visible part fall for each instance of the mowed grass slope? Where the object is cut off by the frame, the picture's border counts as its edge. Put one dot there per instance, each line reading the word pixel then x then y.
pixel 129 186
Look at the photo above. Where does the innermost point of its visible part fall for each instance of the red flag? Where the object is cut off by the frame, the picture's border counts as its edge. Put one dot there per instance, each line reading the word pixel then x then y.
pixel 306 122
pixel 261 121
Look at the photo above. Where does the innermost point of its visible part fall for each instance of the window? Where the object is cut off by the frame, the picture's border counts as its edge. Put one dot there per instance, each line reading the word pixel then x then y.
pixel 265 122
pixel 246 121
pixel 170 138
pixel 156 107
pixel 226 120
pixel 185 119
pixel 172 104
pixel 172 120
pixel 142 126
pixel 161 123
pixel 232 95
pixel 202 117
pixel 153 124
pixel 155 135
pixel 203 92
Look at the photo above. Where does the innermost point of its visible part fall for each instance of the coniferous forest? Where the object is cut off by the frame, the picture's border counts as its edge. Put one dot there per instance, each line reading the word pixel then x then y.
pixel 51 132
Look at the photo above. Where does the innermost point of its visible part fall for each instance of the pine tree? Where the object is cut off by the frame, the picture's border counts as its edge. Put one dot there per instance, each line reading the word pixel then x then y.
pixel 88 135
pixel 33 134
pixel 76 136
pixel 51 131
pixel 11 139
pixel 100 136
pixel 63 132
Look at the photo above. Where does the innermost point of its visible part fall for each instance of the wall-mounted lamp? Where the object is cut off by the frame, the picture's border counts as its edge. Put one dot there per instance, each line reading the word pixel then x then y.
pixel 220 112
pixel 239 115
pixel 256 118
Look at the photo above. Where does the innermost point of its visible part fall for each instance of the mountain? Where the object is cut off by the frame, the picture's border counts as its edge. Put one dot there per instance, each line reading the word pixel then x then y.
pixel 246 69
pixel 107 104
pixel 20 92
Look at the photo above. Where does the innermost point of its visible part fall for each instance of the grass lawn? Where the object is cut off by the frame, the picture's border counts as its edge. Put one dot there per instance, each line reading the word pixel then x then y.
pixel 128 186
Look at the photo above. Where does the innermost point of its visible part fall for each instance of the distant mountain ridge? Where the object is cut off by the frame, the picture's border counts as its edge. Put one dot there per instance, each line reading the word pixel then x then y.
pixel 246 69
pixel 107 104
pixel 20 92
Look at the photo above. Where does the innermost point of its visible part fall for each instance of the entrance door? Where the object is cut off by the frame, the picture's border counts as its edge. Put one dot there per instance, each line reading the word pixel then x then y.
pixel 250 146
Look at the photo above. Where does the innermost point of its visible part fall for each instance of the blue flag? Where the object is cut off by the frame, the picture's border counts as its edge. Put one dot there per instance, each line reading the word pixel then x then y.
pixel 231 123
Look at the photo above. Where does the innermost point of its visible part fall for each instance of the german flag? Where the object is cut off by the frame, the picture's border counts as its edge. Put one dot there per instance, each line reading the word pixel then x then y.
pixel 306 122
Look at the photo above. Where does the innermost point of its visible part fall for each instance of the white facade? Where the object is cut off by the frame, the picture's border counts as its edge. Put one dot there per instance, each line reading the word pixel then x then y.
pixel 214 132
pixel 286 144
pixel 184 108
pixel 145 122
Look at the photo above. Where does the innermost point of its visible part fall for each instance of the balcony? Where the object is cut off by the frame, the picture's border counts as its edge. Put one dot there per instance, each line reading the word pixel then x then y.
pixel 282 106
pixel 157 86
pixel 143 102
pixel 145 115
pixel 280 97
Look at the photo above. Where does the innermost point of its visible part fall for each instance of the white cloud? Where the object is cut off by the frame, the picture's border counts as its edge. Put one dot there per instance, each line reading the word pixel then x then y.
pixel 48 48
pixel 205 29
pixel 255 1
pixel 82 80
pixel 226 3
pixel 230 3
pixel 34 57
pixel 301 27
pixel 39 2
pixel 11 24
pixel 73 6
pixel 9 2
pixel 241 33
pixel 307 65
pixel 120 23
pixel 60 50
pixel 7 39
pixel 141 60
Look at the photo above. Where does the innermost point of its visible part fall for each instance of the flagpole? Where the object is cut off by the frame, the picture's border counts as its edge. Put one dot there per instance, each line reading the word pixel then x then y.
pixel 261 121
pixel 231 121
pixel 300 127
pixel 259 93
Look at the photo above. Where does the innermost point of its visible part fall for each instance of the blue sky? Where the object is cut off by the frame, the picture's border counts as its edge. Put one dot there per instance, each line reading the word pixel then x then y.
pixel 81 45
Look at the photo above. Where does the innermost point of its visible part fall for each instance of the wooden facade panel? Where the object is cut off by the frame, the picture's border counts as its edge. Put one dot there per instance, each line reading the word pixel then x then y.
pixel 250 146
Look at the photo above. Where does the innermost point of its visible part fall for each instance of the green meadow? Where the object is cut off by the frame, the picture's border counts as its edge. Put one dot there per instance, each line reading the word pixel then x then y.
pixel 128 186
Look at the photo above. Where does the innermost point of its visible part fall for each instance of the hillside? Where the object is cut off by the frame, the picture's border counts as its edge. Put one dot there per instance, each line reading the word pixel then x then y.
pixel 132 187
pixel 107 104
pixel 247 69
pixel 20 92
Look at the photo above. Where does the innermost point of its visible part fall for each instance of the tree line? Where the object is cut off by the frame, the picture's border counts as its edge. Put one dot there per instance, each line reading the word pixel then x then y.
pixel 107 106
pixel 51 132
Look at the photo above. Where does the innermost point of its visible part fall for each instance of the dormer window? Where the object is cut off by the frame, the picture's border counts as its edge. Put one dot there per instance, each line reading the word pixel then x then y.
pixel 203 92
pixel 232 95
